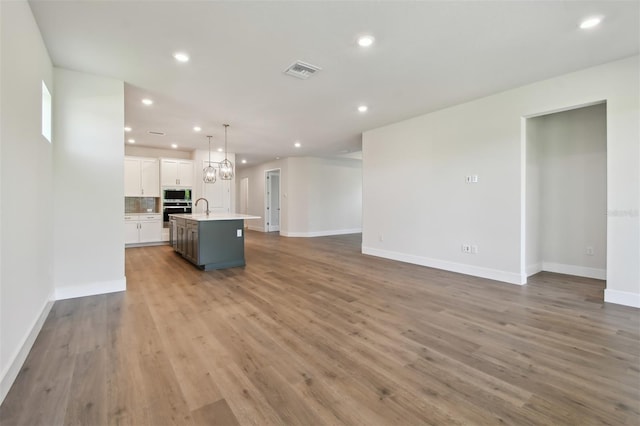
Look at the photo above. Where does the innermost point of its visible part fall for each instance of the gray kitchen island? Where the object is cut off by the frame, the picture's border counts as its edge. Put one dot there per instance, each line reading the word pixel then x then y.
pixel 213 241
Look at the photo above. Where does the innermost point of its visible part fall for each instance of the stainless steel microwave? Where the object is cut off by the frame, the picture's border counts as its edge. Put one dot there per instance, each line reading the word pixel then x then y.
pixel 176 194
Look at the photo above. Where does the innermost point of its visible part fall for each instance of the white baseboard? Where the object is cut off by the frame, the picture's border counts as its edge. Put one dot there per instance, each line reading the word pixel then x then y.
pixel 20 356
pixel 321 233
pixel 579 271
pixel 534 269
pixel 476 271
pixel 622 298
pixel 91 289
pixel 256 228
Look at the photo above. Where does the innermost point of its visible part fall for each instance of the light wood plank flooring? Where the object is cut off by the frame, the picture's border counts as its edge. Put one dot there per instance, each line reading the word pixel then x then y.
pixel 311 332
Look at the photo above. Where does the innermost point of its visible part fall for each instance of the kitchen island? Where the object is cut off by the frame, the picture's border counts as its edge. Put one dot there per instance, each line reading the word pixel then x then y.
pixel 213 241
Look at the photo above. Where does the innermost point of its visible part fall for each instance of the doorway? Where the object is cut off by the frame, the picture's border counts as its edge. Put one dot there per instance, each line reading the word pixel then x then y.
pixel 272 200
pixel 565 198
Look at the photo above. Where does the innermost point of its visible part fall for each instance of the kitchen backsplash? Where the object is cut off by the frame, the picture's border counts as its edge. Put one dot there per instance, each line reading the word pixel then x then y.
pixel 141 205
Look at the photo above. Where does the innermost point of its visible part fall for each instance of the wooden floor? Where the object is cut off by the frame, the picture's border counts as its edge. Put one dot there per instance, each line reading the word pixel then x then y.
pixel 311 332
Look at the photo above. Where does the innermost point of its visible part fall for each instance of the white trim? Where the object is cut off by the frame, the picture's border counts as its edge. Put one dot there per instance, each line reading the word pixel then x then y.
pixel 477 271
pixel 256 228
pixel 579 271
pixel 321 233
pixel 91 289
pixel 18 359
pixel 534 269
pixel 622 298
pixel 524 268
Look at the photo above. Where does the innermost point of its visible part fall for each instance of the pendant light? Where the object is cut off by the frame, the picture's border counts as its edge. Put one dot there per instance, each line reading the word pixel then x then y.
pixel 209 172
pixel 226 166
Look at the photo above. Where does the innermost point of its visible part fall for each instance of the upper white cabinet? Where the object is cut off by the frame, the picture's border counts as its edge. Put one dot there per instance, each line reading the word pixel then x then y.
pixel 176 173
pixel 141 177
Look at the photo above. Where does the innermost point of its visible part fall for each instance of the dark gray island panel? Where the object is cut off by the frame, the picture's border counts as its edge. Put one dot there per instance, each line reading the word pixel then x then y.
pixel 221 244
pixel 210 244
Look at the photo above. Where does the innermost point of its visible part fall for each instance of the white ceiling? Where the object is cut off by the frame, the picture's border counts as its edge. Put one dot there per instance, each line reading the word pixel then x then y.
pixel 427 55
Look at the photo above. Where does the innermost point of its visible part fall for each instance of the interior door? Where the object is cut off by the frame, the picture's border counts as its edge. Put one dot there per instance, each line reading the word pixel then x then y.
pixel 272 198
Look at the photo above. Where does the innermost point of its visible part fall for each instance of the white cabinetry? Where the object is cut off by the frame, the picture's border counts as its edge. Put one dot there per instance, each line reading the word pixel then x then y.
pixel 142 228
pixel 141 177
pixel 176 173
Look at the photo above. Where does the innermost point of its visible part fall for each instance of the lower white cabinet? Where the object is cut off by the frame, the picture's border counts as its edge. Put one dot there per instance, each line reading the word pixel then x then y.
pixel 142 228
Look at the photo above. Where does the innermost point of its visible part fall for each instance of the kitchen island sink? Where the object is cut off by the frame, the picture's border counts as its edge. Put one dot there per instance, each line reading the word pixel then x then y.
pixel 213 241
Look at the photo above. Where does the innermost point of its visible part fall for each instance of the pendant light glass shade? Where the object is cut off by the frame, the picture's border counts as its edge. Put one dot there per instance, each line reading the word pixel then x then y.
pixel 209 172
pixel 226 166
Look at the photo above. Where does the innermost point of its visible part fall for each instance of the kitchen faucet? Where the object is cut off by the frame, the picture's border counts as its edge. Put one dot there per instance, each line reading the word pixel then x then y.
pixel 205 200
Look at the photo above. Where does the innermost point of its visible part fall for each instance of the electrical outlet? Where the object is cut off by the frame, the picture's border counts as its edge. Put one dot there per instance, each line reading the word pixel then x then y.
pixel 474 249
pixel 466 248
pixel 474 178
pixel 589 251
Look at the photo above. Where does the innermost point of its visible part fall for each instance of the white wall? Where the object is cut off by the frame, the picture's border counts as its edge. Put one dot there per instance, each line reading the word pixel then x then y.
pixel 571 150
pixel 26 196
pixel 319 196
pixel 327 194
pixel 88 184
pixel 255 205
pixel 221 194
pixel 414 192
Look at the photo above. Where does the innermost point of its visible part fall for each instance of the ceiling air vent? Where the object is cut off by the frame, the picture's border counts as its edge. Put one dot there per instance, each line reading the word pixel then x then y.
pixel 301 70
pixel 156 133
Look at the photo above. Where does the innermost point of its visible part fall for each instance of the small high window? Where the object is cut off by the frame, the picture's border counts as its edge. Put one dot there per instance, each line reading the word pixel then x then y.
pixel 46 112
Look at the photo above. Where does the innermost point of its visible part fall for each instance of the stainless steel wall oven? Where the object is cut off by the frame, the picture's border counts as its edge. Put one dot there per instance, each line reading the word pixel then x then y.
pixel 175 201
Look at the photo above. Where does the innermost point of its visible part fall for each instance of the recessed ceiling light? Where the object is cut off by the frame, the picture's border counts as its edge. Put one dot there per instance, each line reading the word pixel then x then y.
pixel 365 41
pixel 173 145
pixel 297 144
pixel 277 158
pixel 244 161
pixel 590 22
pixel 181 57
pixel 131 141
pixel 127 129
pixel 219 149
pixel 363 108
pixel 196 128
pixel 147 101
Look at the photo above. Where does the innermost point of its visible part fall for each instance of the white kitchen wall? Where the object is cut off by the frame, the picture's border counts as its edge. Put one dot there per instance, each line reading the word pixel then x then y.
pixel 221 194
pixel 570 147
pixel 26 195
pixel 418 208
pixel 88 184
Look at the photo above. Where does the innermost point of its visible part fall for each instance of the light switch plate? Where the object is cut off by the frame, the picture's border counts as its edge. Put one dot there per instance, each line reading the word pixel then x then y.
pixel 238 232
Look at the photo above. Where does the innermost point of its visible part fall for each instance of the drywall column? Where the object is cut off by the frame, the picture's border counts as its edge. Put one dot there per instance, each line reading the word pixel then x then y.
pixel 26 196
pixel 88 184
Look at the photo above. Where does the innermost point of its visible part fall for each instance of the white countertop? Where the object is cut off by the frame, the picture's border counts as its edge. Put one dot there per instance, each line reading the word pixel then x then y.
pixel 214 216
